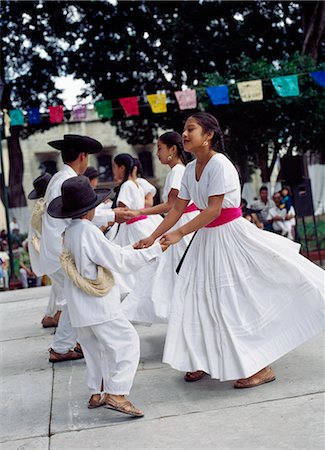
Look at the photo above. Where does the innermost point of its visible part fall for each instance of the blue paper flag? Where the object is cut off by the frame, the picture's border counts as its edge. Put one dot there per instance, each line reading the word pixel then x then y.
pixel 319 77
pixel 218 94
pixel 33 116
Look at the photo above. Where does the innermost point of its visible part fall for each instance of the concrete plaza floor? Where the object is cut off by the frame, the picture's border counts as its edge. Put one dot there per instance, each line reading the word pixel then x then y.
pixel 44 406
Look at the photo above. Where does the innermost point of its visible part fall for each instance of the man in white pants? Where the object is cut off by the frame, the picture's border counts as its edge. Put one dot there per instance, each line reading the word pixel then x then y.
pixel 74 151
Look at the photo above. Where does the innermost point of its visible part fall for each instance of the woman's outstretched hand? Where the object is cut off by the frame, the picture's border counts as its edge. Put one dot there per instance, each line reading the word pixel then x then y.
pixel 144 243
pixel 171 238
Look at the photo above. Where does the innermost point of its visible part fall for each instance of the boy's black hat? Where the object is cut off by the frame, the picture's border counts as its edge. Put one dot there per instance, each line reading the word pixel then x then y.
pixel 91 173
pixel 40 184
pixel 77 143
pixel 78 197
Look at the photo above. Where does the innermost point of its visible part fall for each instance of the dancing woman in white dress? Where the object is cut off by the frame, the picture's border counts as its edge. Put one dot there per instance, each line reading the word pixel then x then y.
pixel 150 300
pixel 130 194
pixel 244 297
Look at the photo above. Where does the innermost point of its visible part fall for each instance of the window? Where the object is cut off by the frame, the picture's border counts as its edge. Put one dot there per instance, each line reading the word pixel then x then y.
pixel 105 167
pixel 48 166
pixel 145 158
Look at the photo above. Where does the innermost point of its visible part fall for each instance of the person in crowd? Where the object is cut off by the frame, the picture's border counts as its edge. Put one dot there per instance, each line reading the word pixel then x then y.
pixel 243 297
pixel 251 214
pixel 89 260
pixel 4 267
pixel 25 269
pixel 283 221
pixel 149 302
pixel 15 231
pixel 263 205
pixel 286 199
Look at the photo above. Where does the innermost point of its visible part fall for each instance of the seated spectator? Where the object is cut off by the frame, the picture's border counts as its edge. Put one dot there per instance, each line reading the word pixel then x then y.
pixel 4 265
pixel 283 222
pixel 286 200
pixel 250 214
pixel 26 271
pixel 14 230
pixel 262 207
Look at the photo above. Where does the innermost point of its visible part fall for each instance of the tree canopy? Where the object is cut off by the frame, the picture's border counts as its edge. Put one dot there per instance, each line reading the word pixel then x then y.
pixel 140 47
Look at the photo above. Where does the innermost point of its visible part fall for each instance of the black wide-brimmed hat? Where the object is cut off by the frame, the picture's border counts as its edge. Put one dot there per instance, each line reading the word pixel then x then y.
pixel 77 143
pixel 40 184
pixel 78 197
pixel 91 173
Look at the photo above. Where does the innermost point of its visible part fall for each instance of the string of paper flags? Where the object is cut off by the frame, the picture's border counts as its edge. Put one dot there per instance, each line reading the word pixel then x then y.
pixel 285 86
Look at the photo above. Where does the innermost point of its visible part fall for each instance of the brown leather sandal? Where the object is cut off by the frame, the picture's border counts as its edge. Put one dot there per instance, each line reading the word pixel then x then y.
pixel 95 401
pixel 265 375
pixel 194 376
pixel 124 406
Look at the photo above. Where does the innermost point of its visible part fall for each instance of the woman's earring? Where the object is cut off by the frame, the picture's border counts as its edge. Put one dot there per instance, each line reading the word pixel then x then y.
pixel 170 158
pixel 205 143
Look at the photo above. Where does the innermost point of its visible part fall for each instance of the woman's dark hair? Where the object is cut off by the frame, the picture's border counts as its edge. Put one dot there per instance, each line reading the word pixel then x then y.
pixel 138 165
pixel 126 160
pixel 173 138
pixel 209 123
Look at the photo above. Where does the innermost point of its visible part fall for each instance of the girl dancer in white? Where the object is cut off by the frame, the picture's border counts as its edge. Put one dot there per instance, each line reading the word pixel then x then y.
pixel 149 302
pixel 131 195
pixel 244 296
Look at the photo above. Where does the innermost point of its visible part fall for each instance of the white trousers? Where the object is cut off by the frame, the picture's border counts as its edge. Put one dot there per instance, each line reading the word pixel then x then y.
pixel 112 352
pixel 65 336
pixel 56 295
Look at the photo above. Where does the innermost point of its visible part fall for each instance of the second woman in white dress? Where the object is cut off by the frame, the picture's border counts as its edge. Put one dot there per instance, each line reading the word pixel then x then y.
pixel 150 300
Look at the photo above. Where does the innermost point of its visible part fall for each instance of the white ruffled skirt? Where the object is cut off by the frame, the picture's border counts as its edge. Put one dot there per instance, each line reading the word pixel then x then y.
pixel 150 301
pixel 128 235
pixel 244 297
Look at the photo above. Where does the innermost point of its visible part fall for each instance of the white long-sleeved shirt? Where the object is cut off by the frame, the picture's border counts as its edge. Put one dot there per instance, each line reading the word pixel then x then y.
pixel 52 229
pixel 90 248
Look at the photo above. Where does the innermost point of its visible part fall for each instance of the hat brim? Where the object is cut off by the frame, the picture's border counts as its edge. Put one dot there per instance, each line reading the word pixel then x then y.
pixel 68 145
pixel 33 195
pixel 55 208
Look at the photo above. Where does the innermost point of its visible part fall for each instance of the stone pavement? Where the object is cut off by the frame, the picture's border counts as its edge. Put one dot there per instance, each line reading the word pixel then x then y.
pixel 44 406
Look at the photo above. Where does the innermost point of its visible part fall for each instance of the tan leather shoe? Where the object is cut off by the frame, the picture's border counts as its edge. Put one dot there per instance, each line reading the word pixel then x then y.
pixel 49 322
pixel 60 357
pixel 265 375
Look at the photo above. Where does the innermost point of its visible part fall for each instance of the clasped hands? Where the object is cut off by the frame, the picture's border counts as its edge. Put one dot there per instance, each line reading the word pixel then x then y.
pixel 165 241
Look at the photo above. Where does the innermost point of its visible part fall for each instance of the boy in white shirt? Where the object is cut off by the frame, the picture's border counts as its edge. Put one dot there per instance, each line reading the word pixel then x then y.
pixel 110 343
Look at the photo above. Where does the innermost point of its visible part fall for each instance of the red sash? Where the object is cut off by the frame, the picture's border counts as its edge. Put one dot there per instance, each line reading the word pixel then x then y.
pixel 226 215
pixel 136 219
pixel 190 208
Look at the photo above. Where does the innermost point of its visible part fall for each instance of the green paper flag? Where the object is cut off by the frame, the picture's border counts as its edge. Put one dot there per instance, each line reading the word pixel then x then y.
pixel 104 109
pixel 16 117
pixel 286 86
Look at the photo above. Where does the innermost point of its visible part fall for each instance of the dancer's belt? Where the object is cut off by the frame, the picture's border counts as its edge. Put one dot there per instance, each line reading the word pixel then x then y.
pixel 226 215
pixel 136 219
pixel 190 208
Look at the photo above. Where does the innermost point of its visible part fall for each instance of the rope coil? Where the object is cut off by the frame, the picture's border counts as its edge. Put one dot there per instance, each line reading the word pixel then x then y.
pixel 98 288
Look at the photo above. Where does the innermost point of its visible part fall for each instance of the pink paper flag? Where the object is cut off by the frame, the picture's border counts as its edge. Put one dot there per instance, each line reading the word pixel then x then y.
pixel 186 99
pixel 79 112
pixel 56 114
pixel 130 105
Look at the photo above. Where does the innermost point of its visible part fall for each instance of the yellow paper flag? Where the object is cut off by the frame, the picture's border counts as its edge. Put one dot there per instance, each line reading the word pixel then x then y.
pixel 157 102
pixel 250 91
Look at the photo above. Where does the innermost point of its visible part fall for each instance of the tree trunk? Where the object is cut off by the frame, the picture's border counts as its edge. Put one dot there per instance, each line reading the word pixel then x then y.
pixel 313 23
pixel 16 194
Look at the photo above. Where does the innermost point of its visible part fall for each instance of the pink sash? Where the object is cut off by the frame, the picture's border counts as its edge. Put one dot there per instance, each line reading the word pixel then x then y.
pixel 226 215
pixel 136 219
pixel 190 208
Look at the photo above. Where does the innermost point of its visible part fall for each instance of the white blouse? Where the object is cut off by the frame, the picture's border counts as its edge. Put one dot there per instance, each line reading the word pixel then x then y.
pixel 90 248
pixel 131 195
pixel 173 180
pixel 219 176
